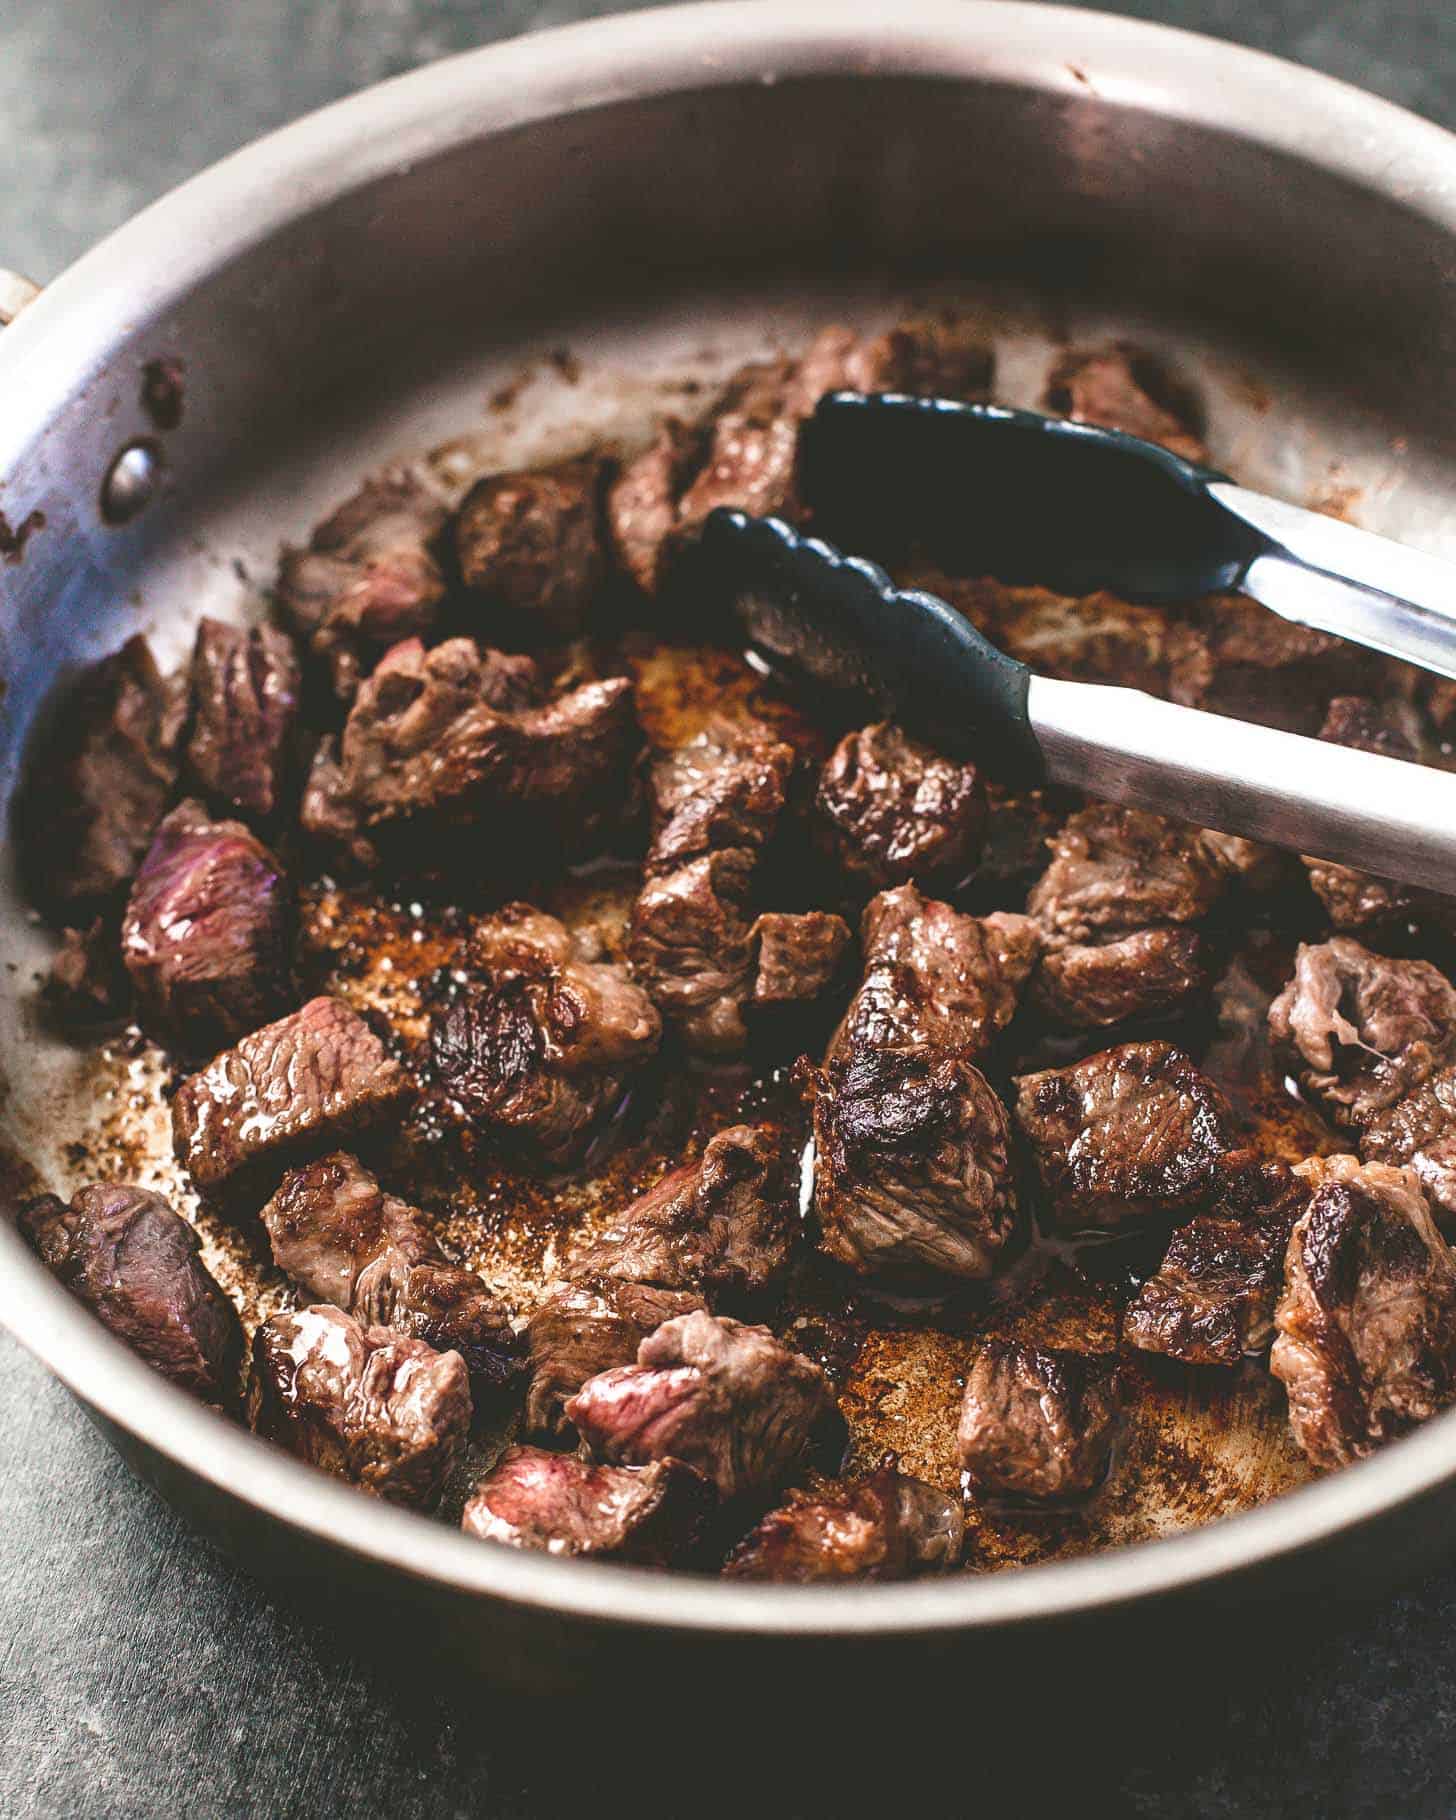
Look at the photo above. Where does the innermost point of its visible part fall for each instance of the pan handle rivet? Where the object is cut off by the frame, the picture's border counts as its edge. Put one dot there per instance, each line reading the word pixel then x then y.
pixel 130 482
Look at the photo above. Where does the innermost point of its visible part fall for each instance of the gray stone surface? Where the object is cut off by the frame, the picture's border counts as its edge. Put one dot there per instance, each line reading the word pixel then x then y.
pixel 139 1673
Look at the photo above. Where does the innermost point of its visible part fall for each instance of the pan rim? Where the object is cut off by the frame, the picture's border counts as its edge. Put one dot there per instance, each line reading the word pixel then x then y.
pixel 58 343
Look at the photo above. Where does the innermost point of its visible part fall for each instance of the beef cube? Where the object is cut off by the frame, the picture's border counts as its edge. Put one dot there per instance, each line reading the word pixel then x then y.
pixel 1419 1132
pixel 649 1515
pixel 927 357
pixel 1269 670
pixel 587 1328
pixel 1100 638
pixel 447 739
pixel 207 932
pixel 1211 1300
pixel 385 1412
pixel 724 1225
pixel 1366 1343
pixel 1130 1132
pixel 368 577
pixel 540 1047
pixel 531 543
pixel 642 504
pixel 1149 974
pixel 136 1265
pixel 99 779
pixel 913 1175
pixel 892 810
pixel 723 789
pixel 86 983
pixel 1120 387
pixel 690 945
pixel 245 687
pixel 1366 1030
pixel 798 957
pixel 298 1086
pixel 325 812
pixel 1019 826
pixel 341 1238
pixel 728 1399
pixel 1038 1424
pixel 1117 870
pixel 935 977
pixel 1246 862
pixel 887 1527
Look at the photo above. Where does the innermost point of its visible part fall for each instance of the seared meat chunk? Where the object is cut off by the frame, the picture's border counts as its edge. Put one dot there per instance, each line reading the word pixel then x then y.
pixel 136 1264
pixel 724 1225
pixel 300 1085
pixel 723 789
pixel 539 1048
pixel 690 946
pixel 798 956
pixel 888 1526
pixel 245 687
pixel 1211 1300
pixel 725 1398
pixel 207 931
pixel 935 977
pixel 650 1515
pixel 1420 1132
pixel 1269 670
pixel 99 780
pixel 892 810
pixel 912 1165
pixel 368 577
pixel 386 1412
pixel 587 1328
pixel 1366 1346
pixel 531 542
pixel 1367 1030
pixel 1129 1132
pixel 1147 974
pixel 447 739
pixel 1120 387
pixel 745 455
pixel 1098 638
pixel 1037 1424
pixel 339 1236
pixel 86 982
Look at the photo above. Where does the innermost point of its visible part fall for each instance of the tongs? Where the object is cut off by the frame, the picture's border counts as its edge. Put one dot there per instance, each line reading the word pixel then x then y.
pixel 1024 497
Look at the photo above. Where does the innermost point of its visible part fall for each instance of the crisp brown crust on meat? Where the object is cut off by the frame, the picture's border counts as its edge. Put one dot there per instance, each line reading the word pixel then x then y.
pixel 892 810
pixel 1038 1424
pixel 587 1328
pixel 530 542
pixel 1419 1132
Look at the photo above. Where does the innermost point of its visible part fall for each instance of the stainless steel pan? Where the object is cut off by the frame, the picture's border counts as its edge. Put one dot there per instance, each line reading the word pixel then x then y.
pixel 662 193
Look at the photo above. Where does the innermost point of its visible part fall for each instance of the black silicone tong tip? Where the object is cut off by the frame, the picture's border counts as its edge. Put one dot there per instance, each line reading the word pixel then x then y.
pixel 840 622
pixel 985 490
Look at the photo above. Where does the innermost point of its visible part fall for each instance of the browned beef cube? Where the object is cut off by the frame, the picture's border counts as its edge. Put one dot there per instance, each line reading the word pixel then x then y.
pixel 1366 1346
pixel 1365 1031
pixel 642 506
pixel 798 957
pixel 303 1084
pixel 892 810
pixel 368 577
pixel 539 1049
pixel 1115 870
pixel 1129 1132
pixel 1211 1300
pixel 724 788
pixel 325 811
pixel 100 778
pixel 245 687
pixel 649 1515
pixel 341 1238
pixel 725 1398
pixel 935 977
pixel 86 983
pixel 1120 387
pixel 531 542
pixel 135 1263
pixel 207 932
pixel 928 357
pixel 1037 1424
pixel 587 1328
pixel 912 1173
pixel 446 739
pixel 385 1412
pixel 1419 1131
pixel 887 1527
pixel 690 946
pixel 1148 974
pixel 1099 638
pixel 1269 670
pixel 724 1225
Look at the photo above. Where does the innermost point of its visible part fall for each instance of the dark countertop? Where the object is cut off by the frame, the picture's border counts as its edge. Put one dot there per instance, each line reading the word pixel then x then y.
pixel 140 1674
